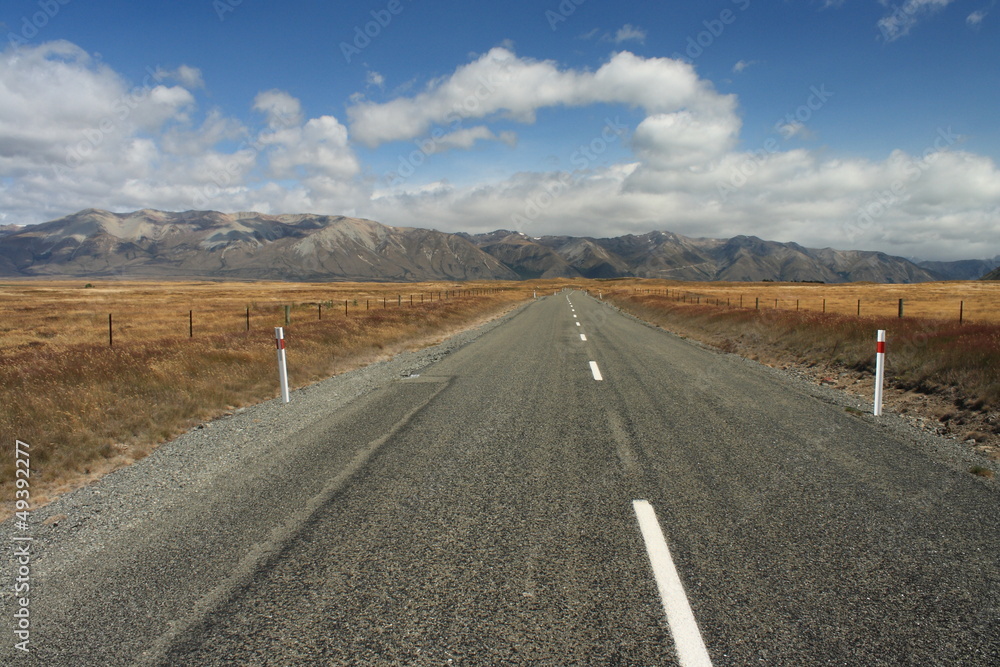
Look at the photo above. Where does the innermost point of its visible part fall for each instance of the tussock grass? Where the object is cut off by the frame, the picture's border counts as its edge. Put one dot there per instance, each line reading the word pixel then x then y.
pixel 86 407
pixel 978 301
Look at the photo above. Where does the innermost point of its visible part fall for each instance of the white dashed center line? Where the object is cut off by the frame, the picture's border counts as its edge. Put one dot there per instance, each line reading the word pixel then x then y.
pixel 596 371
pixel 577 324
pixel 582 337
pixel 691 651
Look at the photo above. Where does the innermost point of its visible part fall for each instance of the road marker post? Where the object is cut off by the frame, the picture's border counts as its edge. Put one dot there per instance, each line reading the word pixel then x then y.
pixel 879 370
pixel 279 340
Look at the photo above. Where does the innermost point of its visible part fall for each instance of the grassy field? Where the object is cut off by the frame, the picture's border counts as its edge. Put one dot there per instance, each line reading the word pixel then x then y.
pixel 977 301
pixel 180 353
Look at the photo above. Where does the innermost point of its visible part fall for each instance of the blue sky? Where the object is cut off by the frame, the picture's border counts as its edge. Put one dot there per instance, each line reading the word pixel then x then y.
pixel 866 124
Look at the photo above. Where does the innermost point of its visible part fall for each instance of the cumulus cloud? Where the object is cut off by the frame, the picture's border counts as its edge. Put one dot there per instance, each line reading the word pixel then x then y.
pixel 502 84
pixel 793 128
pixel 904 17
pixel 320 147
pixel 683 140
pixel 906 204
pixel 61 108
pixel 187 76
pixel 466 138
pixel 975 19
pixel 742 65
pixel 629 33
pixel 280 108
pixel 75 134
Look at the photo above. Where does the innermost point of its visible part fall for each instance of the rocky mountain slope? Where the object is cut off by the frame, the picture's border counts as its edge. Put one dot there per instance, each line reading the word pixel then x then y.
pixel 672 256
pixel 964 269
pixel 209 244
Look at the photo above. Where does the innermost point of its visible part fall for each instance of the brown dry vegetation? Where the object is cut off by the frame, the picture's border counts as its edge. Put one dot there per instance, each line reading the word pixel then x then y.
pixel 979 300
pixel 87 407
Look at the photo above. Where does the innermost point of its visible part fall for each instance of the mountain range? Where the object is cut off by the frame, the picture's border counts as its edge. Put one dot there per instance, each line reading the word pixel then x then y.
pixel 208 244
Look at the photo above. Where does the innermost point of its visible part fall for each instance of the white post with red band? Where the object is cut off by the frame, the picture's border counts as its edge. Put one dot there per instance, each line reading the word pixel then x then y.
pixel 879 370
pixel 279 340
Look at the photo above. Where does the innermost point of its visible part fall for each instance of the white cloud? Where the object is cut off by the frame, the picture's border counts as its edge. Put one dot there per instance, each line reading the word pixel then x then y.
pixel 629 33
pixel 683 140
pixel 320 147
pixel 61 108
pixel 502 84
pixel 466 138
pixel 375 79
pixel 975 19
pixel 280 108
pixel 74 134
pixel 790 196
pixel 904 17
pixel 793 128
pixel 187 76
pixel 742 65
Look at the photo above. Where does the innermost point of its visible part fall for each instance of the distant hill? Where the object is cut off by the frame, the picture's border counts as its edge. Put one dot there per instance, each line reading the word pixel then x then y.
pixel 672 256
pixel 992 275
pixel 209 244
pixel 965 269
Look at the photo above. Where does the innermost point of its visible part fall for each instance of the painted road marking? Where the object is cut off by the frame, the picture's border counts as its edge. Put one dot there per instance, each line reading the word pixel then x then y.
pixel 577 324
pixel 574 317
pixel 596 371
pixel 691 651
pixel 582 337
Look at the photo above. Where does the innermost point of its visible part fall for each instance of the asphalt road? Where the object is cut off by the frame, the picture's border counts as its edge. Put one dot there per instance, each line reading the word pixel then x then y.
pixel 484 513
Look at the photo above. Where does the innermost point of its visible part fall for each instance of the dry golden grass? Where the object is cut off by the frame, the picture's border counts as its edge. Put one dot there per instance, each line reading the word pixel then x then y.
pixel 87 407
pixel 938 300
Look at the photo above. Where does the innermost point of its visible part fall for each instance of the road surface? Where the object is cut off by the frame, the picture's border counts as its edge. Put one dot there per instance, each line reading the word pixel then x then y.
pixel 573 487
